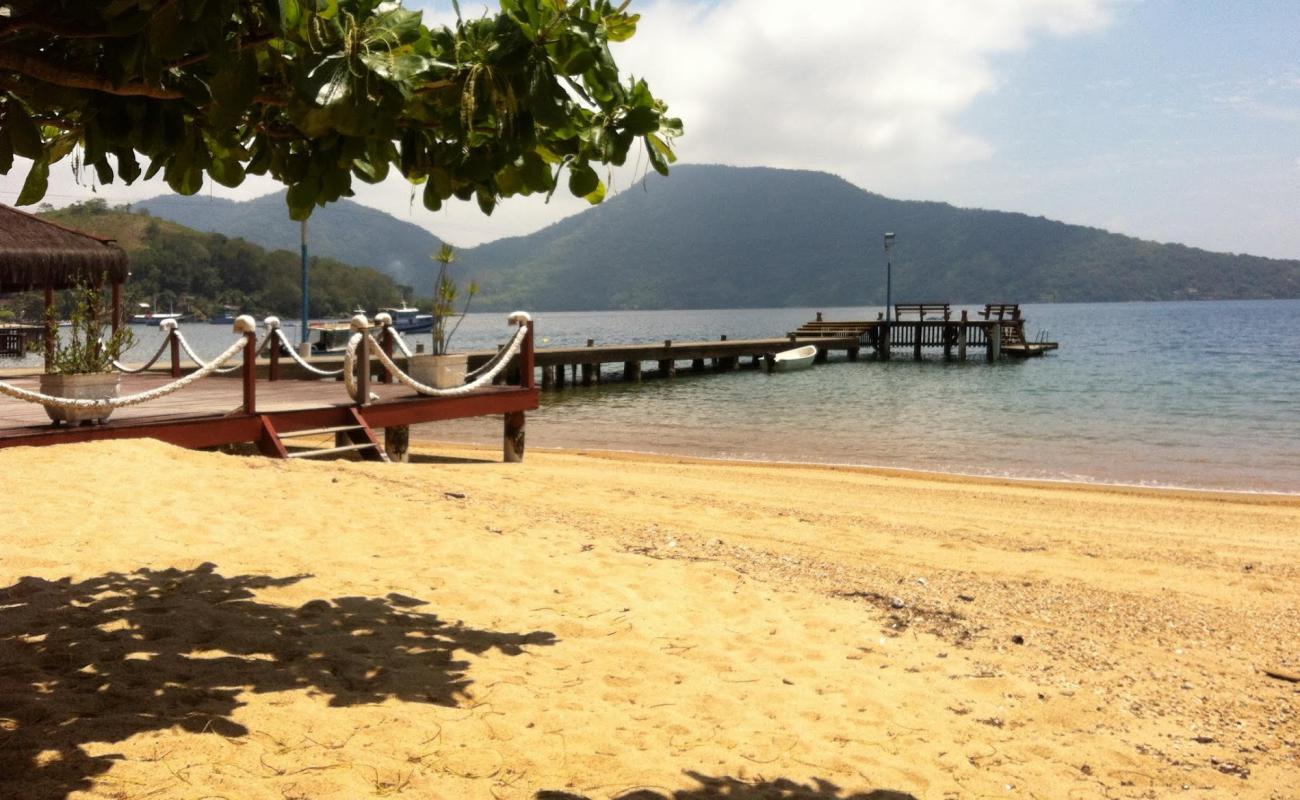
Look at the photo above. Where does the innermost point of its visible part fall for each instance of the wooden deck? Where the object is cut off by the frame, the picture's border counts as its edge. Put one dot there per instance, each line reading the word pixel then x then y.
pixel 209 413
pixel 242 408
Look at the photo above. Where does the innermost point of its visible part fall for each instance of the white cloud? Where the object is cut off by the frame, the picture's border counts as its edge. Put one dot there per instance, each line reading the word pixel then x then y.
pixel 868 90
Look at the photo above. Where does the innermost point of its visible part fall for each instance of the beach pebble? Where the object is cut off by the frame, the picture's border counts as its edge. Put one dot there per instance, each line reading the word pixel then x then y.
pixel 922 581
pixel 966 598
pixel 897 602
pixel 1017 639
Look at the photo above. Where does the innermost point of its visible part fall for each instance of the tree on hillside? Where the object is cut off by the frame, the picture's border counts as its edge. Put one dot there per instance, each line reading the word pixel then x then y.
pixel 317 93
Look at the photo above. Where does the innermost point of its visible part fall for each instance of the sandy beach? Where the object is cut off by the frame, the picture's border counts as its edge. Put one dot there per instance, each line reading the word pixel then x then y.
pixel 586 626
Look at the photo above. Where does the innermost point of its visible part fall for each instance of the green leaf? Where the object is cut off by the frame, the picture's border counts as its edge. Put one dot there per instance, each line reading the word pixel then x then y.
pixel 23 132
pixel 583 179
pixel 301 198
pixel 430 197
pixel 640 121
pixel 38 180
pixel 227 172
pixel 596 196
pixel 127 166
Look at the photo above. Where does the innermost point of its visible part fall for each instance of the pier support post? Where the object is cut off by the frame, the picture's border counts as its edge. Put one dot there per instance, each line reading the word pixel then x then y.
pixel 949 334
pixel 667 368
pixel 697 365
pixel 632 371
pixel 397 443
pixel 512 445
pixel 591 371
pixel 548 378
pixel 821 356
pixel 919 334
pixel 883 347
pixel 559 376
pixel 961 338
pixel 853 354
pixel 995 341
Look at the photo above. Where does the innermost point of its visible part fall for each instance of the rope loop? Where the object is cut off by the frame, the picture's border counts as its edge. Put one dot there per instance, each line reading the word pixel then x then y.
pixel 501 359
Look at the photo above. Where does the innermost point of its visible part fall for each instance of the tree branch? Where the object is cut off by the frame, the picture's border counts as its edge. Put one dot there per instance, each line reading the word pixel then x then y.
pixel 74 79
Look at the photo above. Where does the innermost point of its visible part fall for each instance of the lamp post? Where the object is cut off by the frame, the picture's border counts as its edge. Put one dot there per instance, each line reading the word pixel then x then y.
pixel 889 275
pixel 306 297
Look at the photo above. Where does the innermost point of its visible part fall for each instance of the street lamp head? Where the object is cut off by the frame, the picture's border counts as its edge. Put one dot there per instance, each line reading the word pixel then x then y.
pixel 889 240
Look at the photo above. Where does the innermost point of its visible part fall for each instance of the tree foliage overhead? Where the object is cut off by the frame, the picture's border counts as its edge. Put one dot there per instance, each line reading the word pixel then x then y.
pixel 318 93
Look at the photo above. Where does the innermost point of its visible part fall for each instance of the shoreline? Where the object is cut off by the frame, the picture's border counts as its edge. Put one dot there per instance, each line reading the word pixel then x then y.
pixel 421 442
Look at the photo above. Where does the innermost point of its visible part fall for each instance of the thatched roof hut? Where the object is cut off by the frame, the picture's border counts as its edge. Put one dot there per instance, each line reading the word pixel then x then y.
pixel 37 254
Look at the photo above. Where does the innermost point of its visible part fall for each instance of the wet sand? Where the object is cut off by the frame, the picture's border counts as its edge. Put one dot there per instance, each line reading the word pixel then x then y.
pixel 181 624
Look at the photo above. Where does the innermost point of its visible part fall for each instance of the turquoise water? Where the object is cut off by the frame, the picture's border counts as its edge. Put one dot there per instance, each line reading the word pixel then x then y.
pixel 1203 395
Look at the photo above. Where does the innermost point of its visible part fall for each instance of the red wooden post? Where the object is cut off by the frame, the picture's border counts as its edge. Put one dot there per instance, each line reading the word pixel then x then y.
pixel 51 327
pixel 273 371
pixel 117 307
pixel 386 344
pixel 174 338
pixel 250 368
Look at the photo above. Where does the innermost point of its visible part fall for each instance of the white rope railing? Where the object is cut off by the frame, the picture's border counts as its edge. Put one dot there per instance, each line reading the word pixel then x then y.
pixel 293 353
pixel 360 325
pixel 168 326
pixel 129 400
pixel 185 345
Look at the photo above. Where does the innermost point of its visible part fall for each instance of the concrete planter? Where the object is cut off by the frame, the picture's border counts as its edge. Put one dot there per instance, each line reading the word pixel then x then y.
pixel 96 386
pixel 440 372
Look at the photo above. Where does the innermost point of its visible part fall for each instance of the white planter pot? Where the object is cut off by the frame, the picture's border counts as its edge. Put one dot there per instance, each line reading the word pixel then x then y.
pixel 97 386
pixel 440 372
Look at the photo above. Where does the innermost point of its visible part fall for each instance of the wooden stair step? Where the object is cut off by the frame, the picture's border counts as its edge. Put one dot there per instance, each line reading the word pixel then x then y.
pixel 318 431
pixel 332 450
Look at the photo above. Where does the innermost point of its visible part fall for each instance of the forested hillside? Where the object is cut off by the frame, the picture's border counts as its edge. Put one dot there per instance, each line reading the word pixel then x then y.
pixel 174 267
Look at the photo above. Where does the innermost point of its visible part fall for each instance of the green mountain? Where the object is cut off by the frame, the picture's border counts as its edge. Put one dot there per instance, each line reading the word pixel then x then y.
pixel 344 231
pixel 714 237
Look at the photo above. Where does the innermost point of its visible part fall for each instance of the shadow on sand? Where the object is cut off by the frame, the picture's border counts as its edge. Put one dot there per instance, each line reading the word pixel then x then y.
pixel 100 660
pixel 727 788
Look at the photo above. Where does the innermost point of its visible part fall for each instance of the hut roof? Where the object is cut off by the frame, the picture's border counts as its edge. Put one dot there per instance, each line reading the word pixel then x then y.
pixel 35 253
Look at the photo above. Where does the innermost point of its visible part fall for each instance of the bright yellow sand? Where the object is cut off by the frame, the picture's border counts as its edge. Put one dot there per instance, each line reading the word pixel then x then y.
pixel 181 624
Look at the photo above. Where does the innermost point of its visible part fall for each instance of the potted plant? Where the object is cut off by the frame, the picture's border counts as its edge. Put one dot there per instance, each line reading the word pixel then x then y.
pixel 444 369
pixel 82 366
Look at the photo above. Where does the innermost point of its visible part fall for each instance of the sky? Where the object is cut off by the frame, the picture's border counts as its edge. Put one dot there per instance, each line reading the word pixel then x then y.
pixel 1170 120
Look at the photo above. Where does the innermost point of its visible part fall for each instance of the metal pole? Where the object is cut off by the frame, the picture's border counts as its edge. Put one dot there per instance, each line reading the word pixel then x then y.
pixel 889 277
pixel 306 297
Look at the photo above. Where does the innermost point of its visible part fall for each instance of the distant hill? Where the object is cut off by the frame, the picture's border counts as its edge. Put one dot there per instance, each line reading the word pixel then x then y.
pixel 713 236
pixel 344 231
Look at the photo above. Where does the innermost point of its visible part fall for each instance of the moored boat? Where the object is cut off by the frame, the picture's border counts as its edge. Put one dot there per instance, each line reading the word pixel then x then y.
pixel 409 320
pixel 798 358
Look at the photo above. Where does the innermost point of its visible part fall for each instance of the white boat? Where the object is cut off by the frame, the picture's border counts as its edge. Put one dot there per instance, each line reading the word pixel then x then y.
pixel 148 316
pixel 798 358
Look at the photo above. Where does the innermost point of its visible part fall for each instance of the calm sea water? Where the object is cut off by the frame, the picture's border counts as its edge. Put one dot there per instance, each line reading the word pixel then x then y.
pixel 1203 395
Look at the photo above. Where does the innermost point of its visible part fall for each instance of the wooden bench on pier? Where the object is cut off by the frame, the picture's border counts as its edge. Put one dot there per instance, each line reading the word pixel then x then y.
pixel 922 310
pixel 1001 311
